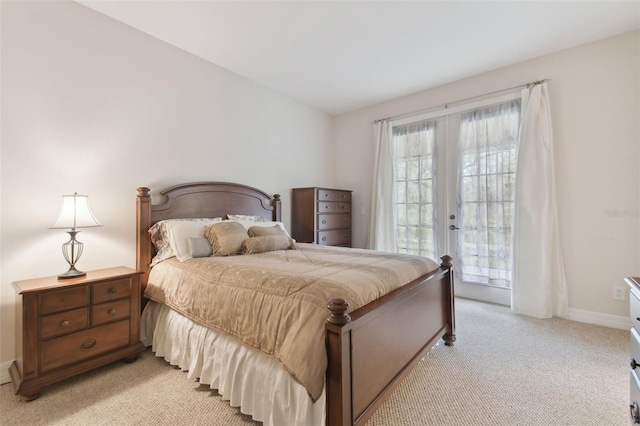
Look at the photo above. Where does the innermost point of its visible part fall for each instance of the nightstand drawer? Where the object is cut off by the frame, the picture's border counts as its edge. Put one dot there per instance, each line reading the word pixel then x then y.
pixel 66 322
pixel 62 300
pixel 111 290
pixel 334 238
pixel 111 311
pixel 83 344
pixel 333 221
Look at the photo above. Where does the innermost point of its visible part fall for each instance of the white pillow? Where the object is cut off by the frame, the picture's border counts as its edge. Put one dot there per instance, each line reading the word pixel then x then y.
pixel 180 231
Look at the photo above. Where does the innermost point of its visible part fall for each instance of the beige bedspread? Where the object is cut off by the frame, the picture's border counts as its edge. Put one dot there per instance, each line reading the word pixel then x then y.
pixel 276 302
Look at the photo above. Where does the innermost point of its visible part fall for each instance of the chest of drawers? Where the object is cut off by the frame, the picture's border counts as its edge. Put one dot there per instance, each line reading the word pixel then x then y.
pixel 67 327
pixel 634 385
pixel 321 216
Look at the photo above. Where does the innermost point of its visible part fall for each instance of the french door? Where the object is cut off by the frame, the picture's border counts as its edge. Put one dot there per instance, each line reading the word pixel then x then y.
pixel 455 189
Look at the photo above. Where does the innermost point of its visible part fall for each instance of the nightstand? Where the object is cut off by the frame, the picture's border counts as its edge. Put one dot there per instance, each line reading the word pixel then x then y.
pixel 70 326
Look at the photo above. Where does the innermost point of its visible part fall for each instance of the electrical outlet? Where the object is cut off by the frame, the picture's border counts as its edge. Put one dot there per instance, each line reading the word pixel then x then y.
pixel 618 292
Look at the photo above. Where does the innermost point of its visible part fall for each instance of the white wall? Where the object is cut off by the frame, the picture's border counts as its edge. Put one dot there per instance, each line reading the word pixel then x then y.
pixel 595 96
pixel 94 106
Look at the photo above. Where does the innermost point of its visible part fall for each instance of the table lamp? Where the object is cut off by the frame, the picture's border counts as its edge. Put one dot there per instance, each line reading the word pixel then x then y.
pixel 75 213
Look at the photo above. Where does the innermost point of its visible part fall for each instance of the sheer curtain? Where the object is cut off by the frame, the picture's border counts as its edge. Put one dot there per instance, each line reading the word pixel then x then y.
pixel 486 193
pixel 383 232
pixel 415 188
pixel 539 285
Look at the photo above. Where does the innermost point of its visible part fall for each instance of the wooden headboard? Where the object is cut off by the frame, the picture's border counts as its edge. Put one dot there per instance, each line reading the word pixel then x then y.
pixel 193 200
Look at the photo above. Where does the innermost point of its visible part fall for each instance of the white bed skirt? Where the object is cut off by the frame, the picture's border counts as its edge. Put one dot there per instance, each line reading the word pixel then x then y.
pixel 245 377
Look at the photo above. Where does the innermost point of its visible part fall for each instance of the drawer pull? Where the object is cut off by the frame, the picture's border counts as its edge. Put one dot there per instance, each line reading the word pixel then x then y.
pixel 324 238
pixel 88 344
pixel 633 364
pixel 324 221
pixel 112 311
pixel 113 290
pixel 64 299
pixel 634 411
pixel 64 323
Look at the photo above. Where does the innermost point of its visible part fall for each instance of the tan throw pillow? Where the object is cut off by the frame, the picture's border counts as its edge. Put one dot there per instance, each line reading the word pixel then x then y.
pixel 261 231
pixel 266 243
pixel 226 237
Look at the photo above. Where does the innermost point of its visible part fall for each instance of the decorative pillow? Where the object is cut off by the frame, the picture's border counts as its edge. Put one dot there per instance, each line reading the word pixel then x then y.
pixel 226 237
pixel 199 247
pixel 166 243
pixel 248 224
pixel 261 231
pixel 247 217
pixel 267 243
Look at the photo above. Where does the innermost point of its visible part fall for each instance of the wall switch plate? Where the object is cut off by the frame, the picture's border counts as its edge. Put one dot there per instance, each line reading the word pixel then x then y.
pixel 618 292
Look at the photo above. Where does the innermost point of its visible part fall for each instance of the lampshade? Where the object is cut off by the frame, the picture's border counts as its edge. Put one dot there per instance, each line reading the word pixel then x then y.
pixel 75 213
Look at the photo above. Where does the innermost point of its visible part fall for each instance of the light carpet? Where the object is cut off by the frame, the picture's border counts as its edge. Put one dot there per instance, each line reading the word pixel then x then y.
pixel 504 369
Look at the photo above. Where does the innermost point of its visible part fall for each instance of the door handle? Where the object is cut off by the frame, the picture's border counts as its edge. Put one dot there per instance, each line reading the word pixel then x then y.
pixel 453 227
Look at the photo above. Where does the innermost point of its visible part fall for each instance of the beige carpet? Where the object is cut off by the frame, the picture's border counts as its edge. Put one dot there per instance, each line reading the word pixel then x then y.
pixel 505 369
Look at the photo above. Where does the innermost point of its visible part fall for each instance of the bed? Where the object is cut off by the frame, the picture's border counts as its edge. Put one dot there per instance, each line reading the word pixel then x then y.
pixel 367 348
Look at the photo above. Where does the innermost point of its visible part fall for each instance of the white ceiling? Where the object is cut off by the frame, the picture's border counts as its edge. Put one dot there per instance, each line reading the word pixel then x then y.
pixel 337 56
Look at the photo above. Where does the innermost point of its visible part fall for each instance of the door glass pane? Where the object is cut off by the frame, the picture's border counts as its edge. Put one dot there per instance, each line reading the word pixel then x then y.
pixel 414 174
pixel 486 191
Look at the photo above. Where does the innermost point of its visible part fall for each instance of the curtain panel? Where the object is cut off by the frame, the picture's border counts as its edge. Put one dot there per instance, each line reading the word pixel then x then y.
pixel 539 285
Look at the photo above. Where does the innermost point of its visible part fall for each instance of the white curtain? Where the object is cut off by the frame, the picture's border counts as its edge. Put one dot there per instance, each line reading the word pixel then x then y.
pixel 383 233
pixel 539 286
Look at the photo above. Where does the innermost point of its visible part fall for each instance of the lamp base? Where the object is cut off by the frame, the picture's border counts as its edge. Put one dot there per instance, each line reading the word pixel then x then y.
pixel 72 273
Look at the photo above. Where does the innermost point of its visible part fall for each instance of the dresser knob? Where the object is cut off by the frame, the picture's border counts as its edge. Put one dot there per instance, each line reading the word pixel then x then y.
pixel 64 299
pixel 324 221
pixel 112 290
pixel 324 238
pixel 112 311
pixel 633 364
pixel 64 323
pixel 634 411
pixel 88 344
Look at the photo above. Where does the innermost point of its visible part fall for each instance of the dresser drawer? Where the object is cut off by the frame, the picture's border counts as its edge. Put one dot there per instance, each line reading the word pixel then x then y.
pixel 332 221
pixel 83 344
pixel 111 290
pixel 634 310
pixel 327 207
pixel 63 323
pixel 110 311
pixel 343 208
pixel 334 238
pixel 327 195
pixel 344 196
pixel 634 397
pixel 62 300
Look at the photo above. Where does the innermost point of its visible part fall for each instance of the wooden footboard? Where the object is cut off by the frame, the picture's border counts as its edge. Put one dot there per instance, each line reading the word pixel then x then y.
pixel 371 350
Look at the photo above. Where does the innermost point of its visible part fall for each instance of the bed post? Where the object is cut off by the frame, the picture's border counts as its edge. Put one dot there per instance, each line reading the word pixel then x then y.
pixel 277 208
pixel 338 378
pixel 450 334
pixel 143 241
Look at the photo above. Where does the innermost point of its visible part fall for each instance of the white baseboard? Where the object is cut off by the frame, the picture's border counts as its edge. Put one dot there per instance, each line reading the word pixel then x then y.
pixel 4 372
pixel 597 318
